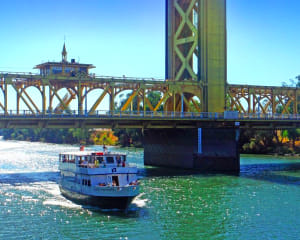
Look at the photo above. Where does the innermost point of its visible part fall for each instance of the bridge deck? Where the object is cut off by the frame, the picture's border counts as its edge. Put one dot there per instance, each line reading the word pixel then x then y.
pixel 118 119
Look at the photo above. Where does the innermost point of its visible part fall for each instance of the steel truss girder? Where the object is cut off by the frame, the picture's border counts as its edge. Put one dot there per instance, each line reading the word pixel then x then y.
pixel 245 99
pixel 262 99
pixel 78 88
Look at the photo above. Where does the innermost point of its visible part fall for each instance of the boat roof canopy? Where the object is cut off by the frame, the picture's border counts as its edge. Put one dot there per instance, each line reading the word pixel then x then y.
pixel 90 153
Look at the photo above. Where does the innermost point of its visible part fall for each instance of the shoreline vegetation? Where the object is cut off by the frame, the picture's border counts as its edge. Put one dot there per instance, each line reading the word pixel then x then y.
pixel 109 137
pixel 270 142
pixel 274 142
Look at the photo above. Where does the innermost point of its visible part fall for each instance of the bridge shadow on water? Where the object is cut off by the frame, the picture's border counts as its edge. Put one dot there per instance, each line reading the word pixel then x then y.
pixel 270 172
pixel 166 172
pixel 28 177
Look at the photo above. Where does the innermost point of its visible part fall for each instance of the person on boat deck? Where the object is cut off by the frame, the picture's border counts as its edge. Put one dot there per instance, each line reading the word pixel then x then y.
pixel 85 163
pixel 80 162
pixel 104 149
pixel 96 163
pixel 118 160
pixel 124 163
pixel 114 183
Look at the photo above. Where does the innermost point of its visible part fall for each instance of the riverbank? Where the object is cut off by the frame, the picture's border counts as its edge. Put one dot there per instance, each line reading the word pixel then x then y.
pixel 270 142
pixel 63 136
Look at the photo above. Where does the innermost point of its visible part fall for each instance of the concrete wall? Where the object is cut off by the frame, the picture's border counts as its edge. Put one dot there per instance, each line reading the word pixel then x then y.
pixel 170 147
pixel 178 148
pixel 219 151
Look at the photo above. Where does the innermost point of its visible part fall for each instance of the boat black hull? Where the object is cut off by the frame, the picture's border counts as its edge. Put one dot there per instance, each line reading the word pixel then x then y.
pixel 101 202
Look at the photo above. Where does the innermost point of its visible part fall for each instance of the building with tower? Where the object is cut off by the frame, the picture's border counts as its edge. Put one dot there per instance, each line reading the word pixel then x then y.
pixel 64 68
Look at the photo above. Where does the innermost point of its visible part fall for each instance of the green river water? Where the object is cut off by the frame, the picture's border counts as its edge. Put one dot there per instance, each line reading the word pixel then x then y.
pixel 263 202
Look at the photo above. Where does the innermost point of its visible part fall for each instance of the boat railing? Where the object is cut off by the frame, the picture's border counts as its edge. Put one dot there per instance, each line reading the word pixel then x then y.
pixel 101 165
pixel 131 165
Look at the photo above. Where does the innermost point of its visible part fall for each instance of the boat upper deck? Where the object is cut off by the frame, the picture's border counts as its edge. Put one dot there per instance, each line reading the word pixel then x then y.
pixel 87 159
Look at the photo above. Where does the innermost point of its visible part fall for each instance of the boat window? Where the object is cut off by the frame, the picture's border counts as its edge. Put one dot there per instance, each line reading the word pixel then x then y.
pixel 109 159
pixel 63 158
pixel 91 159
pixel 86 182
pixel 100 159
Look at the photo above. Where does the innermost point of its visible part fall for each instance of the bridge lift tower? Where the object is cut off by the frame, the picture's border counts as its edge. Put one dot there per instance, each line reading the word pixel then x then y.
pixel 196 47
pixel 196 51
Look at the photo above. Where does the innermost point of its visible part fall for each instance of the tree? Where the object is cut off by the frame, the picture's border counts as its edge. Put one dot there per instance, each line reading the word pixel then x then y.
pixel 293 134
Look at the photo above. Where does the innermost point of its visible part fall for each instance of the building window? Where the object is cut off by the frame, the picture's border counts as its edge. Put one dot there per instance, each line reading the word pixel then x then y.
pixel 69 69
pixel 82 69
pixel 56 70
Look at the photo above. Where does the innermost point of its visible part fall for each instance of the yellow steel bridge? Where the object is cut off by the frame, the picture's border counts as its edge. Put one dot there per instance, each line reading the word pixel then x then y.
pixel 256 106
pixel 196 83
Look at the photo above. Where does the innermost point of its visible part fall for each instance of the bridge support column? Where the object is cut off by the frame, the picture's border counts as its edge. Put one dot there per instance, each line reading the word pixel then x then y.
pixel 178 148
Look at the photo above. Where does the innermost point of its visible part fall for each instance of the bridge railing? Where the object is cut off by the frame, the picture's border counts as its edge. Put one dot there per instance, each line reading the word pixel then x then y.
pixel 18 73
pixel 268 116
pixel 120 114
pixel 148 115
pixel 91 75
pixel 127 78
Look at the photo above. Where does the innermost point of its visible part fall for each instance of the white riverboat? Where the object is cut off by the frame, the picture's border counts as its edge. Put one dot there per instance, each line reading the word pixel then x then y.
pixel 100 179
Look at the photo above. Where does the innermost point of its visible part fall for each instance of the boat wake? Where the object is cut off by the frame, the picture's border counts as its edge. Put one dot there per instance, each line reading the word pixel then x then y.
pixel 139 202
pixel 62 203
pixel 57 199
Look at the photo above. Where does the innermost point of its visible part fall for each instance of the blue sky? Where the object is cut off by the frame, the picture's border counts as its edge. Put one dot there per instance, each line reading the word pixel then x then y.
pixel 127 37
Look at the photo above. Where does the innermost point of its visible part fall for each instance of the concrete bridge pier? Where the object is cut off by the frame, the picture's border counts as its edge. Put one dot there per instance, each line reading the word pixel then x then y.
pixel 207 150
